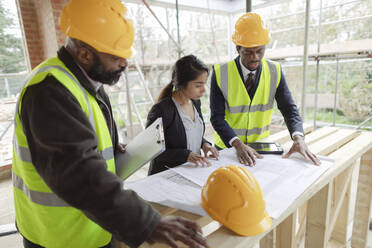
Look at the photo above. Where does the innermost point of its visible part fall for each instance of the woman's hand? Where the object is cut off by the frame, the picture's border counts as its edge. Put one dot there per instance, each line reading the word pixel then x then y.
pixel 198 160
pixel 206 147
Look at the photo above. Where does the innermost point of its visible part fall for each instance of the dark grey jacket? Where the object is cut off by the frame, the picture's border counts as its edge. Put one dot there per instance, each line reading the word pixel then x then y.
pixel 63 150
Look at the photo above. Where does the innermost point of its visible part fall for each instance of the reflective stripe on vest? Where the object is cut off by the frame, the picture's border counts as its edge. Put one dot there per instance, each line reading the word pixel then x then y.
pixel 42 198
pixel 245 132
pixel 249 118
pixel 24 153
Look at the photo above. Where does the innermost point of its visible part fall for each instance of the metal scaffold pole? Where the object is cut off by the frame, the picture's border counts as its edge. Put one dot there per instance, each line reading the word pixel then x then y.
pixel 335 98
pixel 317 66
pixel 306 45
pixel 248 6
pixel 178 30
pixel 165 29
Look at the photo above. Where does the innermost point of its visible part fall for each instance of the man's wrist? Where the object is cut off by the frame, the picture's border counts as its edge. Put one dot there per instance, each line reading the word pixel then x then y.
pixel 232 140
pixel 297 133
pixel 236 143
pixel 298 138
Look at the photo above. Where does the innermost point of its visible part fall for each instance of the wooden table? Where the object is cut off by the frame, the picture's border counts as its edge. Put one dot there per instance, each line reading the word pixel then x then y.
pixel 333 212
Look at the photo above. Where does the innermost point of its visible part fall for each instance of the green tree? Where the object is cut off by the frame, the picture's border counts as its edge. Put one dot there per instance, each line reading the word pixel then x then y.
pixel 11 49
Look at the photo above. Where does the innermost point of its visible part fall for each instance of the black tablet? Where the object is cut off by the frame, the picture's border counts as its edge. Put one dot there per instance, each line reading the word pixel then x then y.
pixel 267 147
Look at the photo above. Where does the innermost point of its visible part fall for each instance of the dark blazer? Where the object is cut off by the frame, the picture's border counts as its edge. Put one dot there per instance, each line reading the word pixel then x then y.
pixel 283 99
pixel 176 152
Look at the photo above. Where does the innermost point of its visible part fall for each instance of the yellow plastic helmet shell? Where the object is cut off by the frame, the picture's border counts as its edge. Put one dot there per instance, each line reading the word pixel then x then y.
pixel 99 23
pixel 233 197
pixel 250 31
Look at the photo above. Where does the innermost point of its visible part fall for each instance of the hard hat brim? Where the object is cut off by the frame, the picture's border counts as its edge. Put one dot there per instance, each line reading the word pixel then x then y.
pixel 249 230
pixel 252 230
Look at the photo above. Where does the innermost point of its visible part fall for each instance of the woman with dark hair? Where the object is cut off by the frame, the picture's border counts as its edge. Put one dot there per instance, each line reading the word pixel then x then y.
pixel 179 106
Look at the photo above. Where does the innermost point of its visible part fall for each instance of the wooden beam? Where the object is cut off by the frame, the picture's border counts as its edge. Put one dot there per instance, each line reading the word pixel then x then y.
pixel 363 202
pixel 286 232
pixel 313 136
pixel 283 136
pixel 344 156
pixel 320 134
pixel 333 141
pixel 341 187
pixel 344 223
pixel 302 224
pixel 268 241
pixel 347 47
pixel 318 211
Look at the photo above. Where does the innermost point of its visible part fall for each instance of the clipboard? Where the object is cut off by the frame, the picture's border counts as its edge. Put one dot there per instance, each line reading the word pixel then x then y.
pixel 144 147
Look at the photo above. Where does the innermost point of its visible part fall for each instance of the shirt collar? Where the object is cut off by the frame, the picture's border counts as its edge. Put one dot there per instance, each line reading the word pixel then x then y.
pixel 96 85
pixel 245 70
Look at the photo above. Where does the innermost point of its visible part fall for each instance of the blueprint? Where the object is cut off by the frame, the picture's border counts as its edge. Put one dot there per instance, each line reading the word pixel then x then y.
pixel 281 181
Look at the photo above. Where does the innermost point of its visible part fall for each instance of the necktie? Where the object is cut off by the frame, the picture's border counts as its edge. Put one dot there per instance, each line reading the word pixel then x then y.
pixel 249 81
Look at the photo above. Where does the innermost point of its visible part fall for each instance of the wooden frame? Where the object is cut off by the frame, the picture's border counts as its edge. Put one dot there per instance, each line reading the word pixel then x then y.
pixel 323 216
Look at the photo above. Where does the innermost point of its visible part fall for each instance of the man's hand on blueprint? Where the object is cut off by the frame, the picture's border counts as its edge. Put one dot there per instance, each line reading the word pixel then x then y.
pixel 246 155
pixel 172 229
pixel 300 146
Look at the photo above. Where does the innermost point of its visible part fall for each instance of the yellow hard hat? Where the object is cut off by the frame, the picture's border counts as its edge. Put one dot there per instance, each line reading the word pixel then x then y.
pixel 250 31
pixel 99 23
pixel 233 197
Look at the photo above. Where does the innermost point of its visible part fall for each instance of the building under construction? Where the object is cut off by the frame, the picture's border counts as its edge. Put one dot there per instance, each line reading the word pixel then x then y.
pixel 325 52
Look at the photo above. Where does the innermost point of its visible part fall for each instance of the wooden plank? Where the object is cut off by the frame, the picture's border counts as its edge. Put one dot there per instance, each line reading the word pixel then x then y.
pixel 224 238
pixel 318 212
pixel 283 136
pixel 340 188
pixel 344 224
pixel 353 46
pixel 302 210
pixel 286 232
pixel 363 202
pixel 344 156
pixel 313 136
pixel 333 141
pixel 268 241
pixel 164 210
pixel 335 244
pixel 319 134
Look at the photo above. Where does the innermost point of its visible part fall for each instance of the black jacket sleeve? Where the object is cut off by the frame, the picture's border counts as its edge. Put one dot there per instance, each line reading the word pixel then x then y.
pixel 171 156
pixel 287 107
pixel 217 105
pixel 63 149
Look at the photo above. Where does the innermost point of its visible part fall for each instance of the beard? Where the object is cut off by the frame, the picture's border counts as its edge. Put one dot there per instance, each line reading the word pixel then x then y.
pixel 98 73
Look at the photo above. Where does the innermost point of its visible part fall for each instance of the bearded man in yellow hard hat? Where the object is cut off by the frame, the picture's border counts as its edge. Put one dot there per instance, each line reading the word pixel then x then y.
pixel 66 192
pixel 243 93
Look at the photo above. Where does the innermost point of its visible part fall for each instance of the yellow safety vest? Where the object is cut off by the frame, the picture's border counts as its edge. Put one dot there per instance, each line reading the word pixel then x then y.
pixel 42 217
pixel 249 118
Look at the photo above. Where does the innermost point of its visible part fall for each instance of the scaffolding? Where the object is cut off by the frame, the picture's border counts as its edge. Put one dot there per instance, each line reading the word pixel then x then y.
pixel 315 61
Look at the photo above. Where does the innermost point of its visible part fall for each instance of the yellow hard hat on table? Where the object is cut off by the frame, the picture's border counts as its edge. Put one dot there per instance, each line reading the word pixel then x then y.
pixel 99 23
pixel 250 31
pixel 233 197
